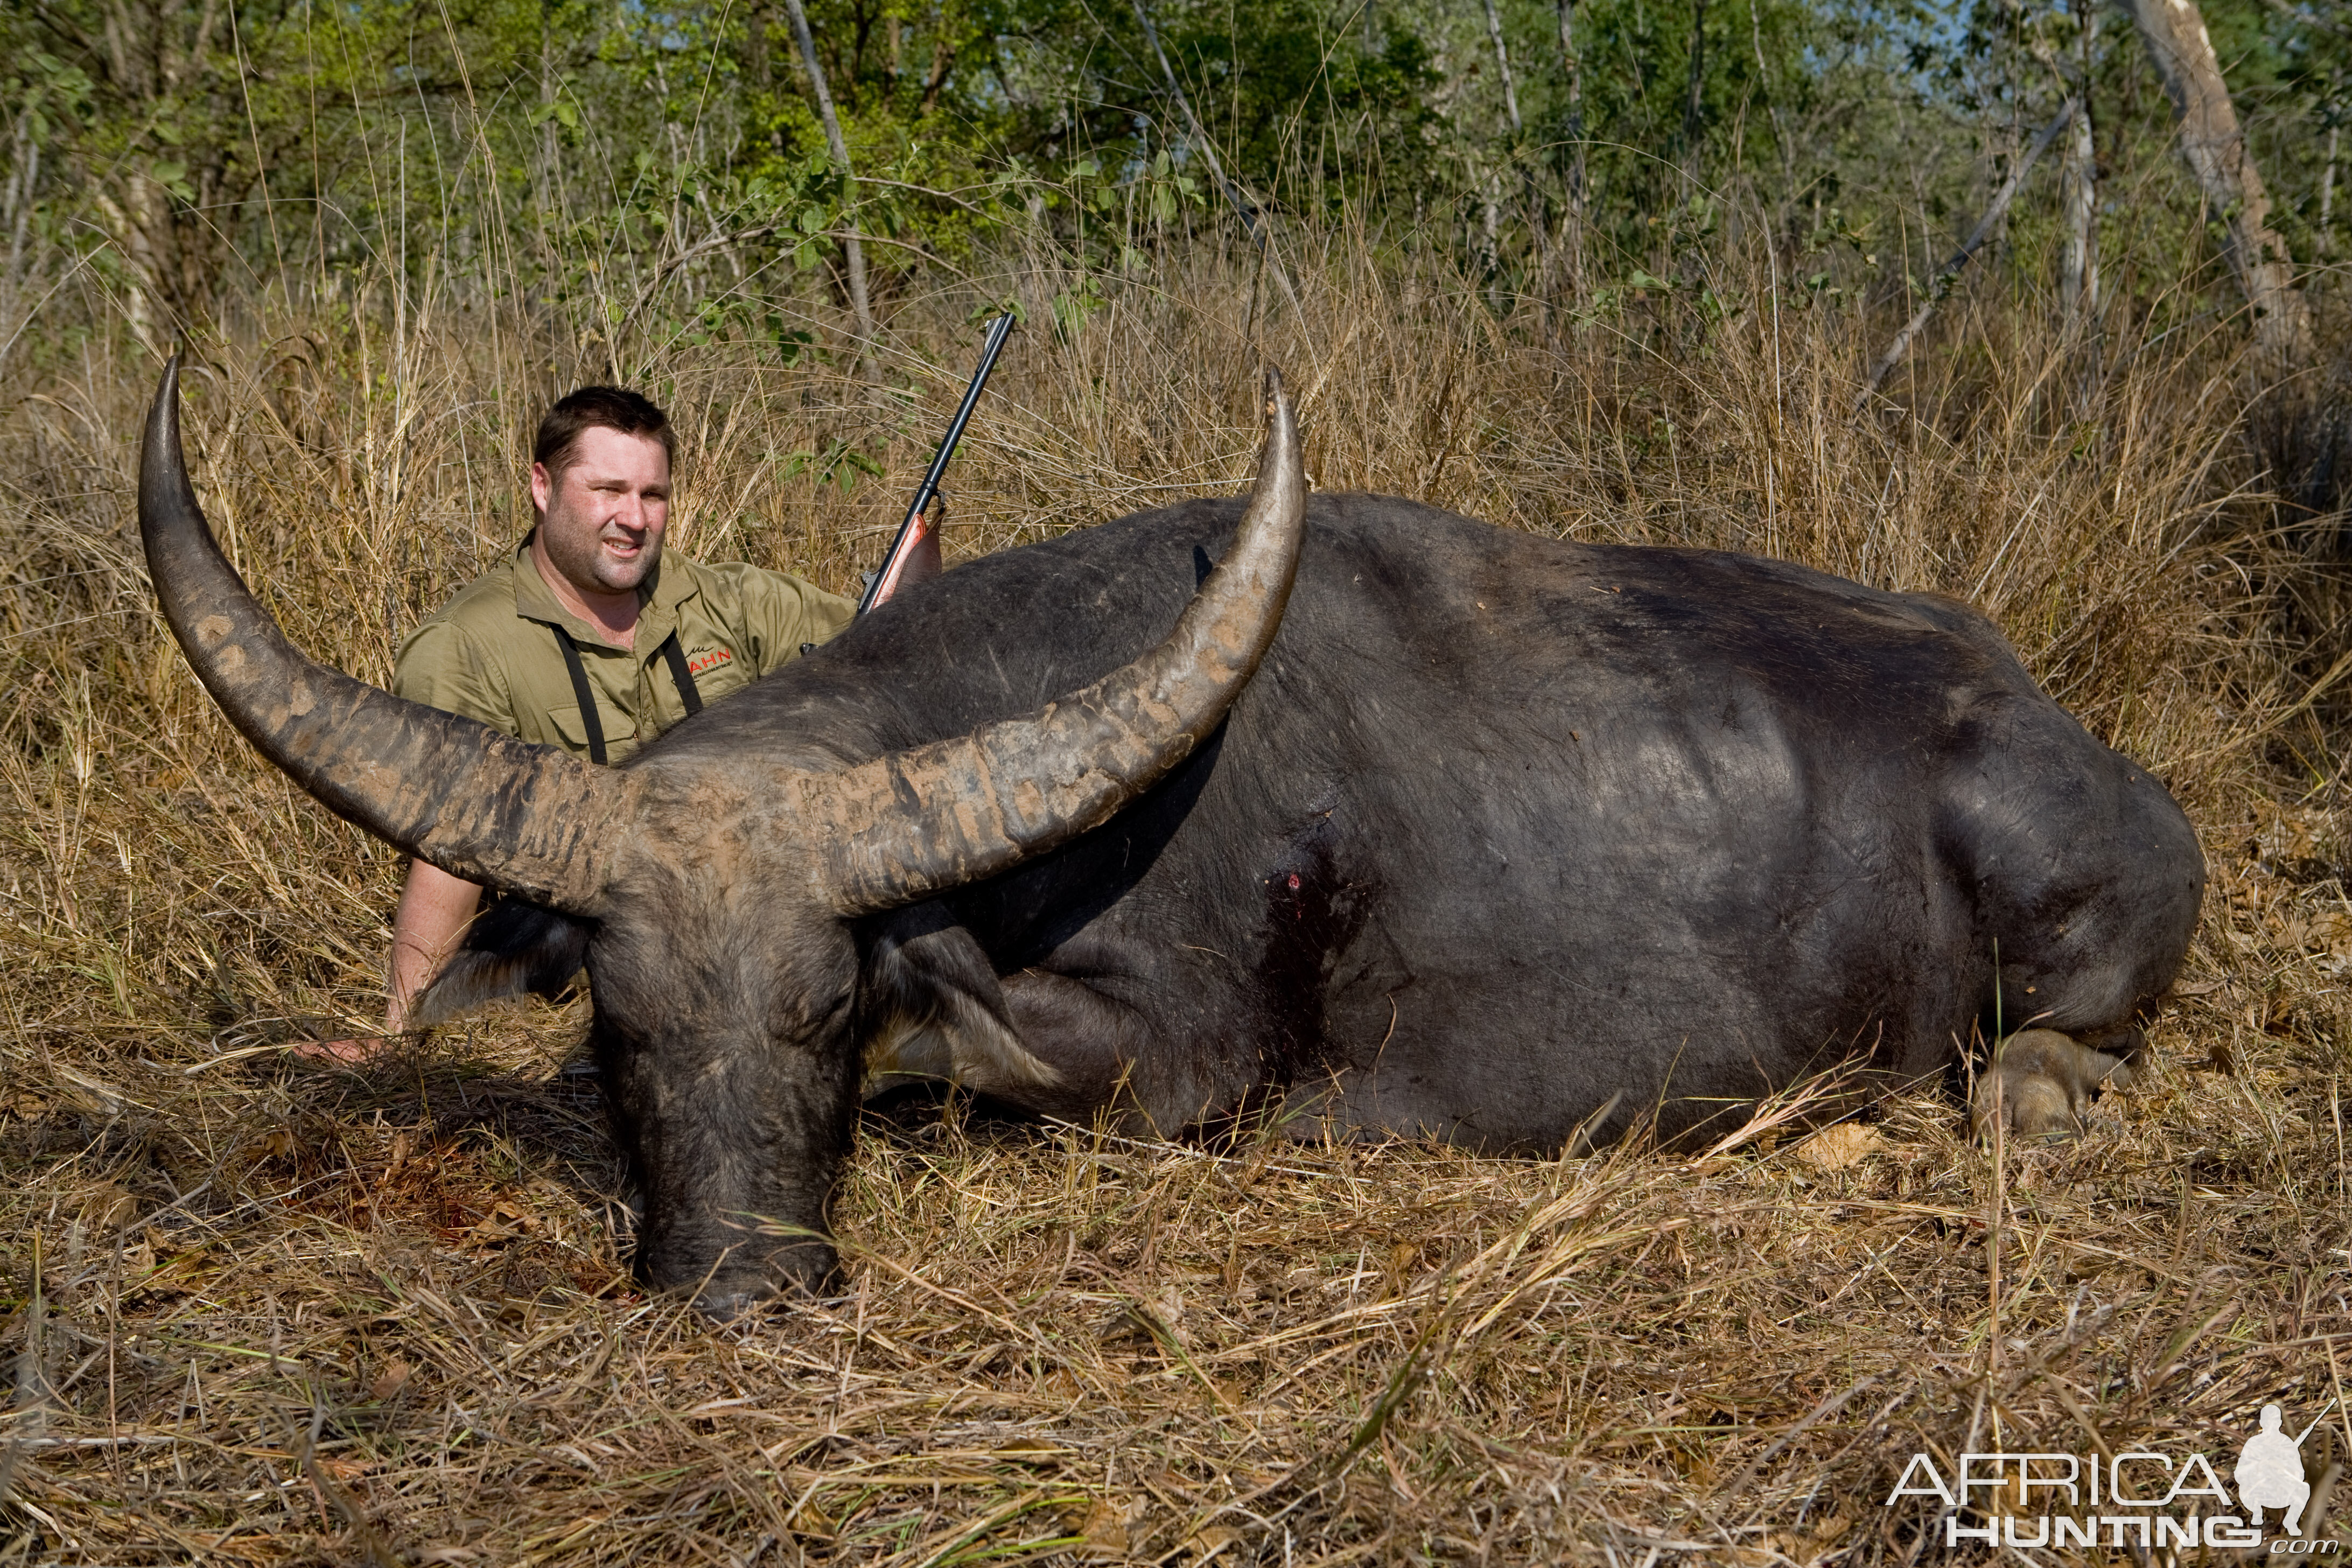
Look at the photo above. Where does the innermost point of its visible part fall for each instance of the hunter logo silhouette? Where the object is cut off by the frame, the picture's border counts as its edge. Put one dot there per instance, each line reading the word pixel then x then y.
pixel 2270 1471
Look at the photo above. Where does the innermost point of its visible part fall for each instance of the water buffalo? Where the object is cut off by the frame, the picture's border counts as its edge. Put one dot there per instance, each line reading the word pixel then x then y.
pixel 1492 839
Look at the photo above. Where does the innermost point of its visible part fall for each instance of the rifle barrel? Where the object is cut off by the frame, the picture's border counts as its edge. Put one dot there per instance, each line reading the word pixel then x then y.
pixel 991 346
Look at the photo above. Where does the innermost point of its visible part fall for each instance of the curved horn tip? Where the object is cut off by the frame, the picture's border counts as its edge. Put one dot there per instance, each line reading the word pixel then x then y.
pixel 163 434
pixel 1282 444
pixel 164 481
pixel 167 390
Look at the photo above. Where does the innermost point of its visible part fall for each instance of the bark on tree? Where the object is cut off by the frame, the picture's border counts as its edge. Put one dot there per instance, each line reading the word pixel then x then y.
pixel 943 55
pixel 2215 146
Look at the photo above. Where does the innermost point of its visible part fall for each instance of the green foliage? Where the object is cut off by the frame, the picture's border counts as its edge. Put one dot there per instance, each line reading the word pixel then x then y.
pixel 658 173
pixel 840 465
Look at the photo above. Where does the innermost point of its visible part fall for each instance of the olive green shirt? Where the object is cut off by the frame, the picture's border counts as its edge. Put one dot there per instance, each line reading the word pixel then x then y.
pixel 491 653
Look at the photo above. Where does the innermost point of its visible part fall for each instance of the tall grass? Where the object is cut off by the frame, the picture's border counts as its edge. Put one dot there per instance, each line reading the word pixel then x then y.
pixel 264 1312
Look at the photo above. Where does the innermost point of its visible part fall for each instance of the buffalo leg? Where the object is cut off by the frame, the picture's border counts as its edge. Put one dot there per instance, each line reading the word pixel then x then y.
pixel 2041 1081
pixel 1106 1054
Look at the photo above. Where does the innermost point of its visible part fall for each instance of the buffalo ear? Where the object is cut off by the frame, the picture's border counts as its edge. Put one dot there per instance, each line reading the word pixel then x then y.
pixel 930 1006
pixel 511 948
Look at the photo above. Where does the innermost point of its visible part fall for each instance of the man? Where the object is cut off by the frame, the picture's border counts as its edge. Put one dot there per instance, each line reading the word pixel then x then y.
pixel 586 638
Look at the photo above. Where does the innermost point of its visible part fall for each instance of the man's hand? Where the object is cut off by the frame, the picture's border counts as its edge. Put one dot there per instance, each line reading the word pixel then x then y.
pixel 435 908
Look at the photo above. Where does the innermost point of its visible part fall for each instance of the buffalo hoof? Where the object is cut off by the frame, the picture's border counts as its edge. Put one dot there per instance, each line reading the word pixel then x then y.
pixel 2040 1084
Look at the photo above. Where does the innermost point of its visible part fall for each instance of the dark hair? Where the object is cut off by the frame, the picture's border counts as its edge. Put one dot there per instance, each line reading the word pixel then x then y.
pixel 590 408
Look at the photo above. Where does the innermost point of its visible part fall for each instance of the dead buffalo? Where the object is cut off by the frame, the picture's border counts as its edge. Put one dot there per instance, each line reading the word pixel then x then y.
pixel 1500 835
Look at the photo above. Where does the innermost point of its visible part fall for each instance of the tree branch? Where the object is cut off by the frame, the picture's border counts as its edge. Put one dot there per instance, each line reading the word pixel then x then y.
pixel 1251 216
pixel 1951 270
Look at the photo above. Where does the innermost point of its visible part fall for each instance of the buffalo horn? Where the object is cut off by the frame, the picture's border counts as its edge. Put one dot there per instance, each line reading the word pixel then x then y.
pixel 526 820
pixel 915 823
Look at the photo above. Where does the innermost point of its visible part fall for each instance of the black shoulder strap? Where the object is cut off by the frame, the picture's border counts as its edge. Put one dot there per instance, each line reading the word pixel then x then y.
pixel 590 720
pixel 675 658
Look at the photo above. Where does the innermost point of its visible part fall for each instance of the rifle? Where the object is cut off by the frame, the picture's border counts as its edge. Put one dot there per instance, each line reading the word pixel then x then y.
pixel 915 528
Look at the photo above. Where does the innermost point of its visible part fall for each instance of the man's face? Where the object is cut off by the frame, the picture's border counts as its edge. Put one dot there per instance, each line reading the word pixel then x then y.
pixel 601 518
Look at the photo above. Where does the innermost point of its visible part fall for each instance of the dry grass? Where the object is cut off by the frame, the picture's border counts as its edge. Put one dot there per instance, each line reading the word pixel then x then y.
pixel 261 1313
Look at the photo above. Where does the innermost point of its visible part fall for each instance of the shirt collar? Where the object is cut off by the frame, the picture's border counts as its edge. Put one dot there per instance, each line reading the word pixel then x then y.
pixel 657 603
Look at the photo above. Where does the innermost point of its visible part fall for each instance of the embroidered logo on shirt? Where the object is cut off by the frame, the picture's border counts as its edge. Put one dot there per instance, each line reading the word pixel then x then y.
pixel 711 660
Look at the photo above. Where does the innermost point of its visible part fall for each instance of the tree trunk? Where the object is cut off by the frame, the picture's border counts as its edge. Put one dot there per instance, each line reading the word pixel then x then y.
pixel 2215 145
pixel 1695 98
pixel 2327 194
pixel 853 251
pixel 2078 200
pixel 1574 227
pixel 1503 66
pixel 1539 220
pixel 550 149
pixel 942 57
pixel 156 62
pixel 755 46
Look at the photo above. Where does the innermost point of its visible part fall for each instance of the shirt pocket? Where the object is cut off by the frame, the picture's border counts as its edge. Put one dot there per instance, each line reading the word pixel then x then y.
pixel 720 677
pixel 620 735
